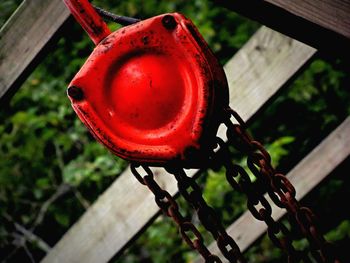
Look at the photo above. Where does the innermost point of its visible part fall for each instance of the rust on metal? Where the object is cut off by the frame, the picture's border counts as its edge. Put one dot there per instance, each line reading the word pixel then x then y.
pixel 154 93
pixel 190 190
pixel 170 208
pixel 280 190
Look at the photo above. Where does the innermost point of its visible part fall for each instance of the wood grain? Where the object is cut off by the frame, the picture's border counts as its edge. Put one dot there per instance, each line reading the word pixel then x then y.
pixel 25 35
pixel 322 24
pixel 304 176
pixel 331 14
pixel 254 74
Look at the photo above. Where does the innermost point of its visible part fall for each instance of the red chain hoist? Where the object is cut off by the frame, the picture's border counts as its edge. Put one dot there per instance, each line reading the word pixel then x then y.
pixel 154 94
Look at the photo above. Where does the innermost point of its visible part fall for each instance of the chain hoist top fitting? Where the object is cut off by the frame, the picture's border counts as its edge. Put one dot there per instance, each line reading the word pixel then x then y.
pixel 150 91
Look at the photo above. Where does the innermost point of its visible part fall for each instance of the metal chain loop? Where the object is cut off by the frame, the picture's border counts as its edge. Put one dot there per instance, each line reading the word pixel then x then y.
pixel 255 196
pixel 171 209
pixel 192 193
pixel 277 186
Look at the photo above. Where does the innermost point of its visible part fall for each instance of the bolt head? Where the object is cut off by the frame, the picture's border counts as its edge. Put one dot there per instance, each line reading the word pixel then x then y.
pixel 169 22
pixel 75 93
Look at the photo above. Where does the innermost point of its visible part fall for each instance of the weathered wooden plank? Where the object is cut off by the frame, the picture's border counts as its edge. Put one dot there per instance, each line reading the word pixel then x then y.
pixel 263 65
pixel 305 176
pixel 255 73
pixel 25 35
pixel 323 24
pixel 331 14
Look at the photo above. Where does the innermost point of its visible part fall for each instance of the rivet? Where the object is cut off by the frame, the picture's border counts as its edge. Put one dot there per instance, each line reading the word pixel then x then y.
pixel 169 22
pixel 75 93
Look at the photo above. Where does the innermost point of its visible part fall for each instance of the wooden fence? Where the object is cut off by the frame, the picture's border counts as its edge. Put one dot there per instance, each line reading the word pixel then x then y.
pixel 261 67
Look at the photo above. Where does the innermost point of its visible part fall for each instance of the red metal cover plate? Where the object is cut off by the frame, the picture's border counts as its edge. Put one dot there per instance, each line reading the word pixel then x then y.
pixel 148 91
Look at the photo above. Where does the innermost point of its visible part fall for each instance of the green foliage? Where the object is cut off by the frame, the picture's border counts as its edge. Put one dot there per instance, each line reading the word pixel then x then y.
pixel 340 232
pixel 6 9
pixel 278 150
pixel 51 169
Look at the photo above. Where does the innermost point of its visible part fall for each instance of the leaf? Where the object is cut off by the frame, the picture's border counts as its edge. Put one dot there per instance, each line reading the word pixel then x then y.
pixel 43 182
pixel 340 232
pixel 38 193
pixel 62 218
pixel 278 149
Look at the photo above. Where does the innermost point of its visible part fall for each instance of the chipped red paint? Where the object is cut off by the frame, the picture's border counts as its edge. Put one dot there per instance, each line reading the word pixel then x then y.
pixel 149 90
pixel 88 18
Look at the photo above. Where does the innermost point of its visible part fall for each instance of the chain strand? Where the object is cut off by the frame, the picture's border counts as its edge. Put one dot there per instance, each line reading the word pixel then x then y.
pixel 171 209
pixel 192 193
pixel 255 196
pixel 279 189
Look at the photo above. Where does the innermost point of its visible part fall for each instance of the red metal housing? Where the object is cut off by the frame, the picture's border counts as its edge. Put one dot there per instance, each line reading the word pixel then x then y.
pixel 148 91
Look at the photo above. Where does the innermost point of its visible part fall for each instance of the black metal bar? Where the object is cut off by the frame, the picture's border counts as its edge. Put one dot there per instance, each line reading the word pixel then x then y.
pixel 122 20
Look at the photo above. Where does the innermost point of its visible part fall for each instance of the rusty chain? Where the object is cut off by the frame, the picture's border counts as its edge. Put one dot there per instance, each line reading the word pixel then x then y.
pixel 170 208
pixel 278 187
pixel 192 193
pixel 255 196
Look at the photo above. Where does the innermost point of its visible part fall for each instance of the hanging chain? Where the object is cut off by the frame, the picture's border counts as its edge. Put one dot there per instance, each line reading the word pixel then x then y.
pixel 170 208
pixel 280 190
pixel 192 193
pixel 255 196
pixel 278 187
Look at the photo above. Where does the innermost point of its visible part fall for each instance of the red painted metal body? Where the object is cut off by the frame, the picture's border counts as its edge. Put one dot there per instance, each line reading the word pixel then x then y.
pixel 88 18
pixel 149 91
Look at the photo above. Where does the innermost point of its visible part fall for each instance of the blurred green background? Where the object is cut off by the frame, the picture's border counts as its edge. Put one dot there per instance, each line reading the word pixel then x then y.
pixel 52 170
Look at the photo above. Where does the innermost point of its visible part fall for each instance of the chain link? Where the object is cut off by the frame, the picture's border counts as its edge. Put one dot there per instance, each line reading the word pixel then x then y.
pixel 192 193
pixel 279 188
pixel 255 196
pixel 171 209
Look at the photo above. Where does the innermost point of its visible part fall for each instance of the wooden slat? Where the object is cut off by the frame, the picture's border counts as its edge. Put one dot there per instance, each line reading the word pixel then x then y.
pixel 305 176
pixel 323 24
pixel 24 36
pixel 331 14
pixel 255 74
